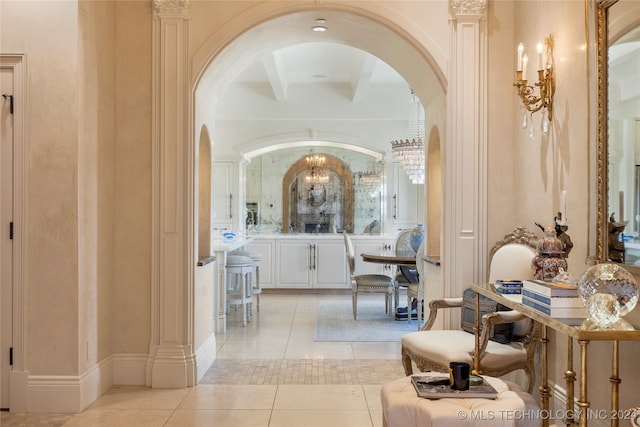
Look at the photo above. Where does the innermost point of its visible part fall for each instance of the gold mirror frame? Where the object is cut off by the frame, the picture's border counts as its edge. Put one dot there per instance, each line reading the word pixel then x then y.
pixel 604 18
pixel 602 157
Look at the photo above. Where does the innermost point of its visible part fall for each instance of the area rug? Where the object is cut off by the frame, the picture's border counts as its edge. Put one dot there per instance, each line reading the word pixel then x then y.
pixel 335 323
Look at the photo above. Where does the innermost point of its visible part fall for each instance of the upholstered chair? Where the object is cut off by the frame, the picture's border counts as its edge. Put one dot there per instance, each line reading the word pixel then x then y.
pixel 433 349
pixel 366 283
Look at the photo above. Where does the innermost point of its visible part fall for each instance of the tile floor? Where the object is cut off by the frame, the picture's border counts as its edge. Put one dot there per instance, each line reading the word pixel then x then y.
pixel 285 379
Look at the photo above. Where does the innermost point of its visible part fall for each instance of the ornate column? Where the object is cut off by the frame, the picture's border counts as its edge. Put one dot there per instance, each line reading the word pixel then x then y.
pixel 171 361
pixel 465 193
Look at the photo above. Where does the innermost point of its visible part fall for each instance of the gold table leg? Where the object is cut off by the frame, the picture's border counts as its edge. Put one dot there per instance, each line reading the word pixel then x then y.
pixel 476 332
pixel 583 402
pixel 570 379
pixel 615 384
pixel 544 389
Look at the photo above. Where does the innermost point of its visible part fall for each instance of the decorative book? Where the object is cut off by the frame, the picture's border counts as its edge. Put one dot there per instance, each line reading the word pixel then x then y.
pixel 563 312
pixel 433 387
pixel 574 301
pixel 549 289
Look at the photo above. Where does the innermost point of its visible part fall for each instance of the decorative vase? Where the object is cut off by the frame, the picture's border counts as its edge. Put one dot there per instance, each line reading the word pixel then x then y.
pixel 417 237
pixel 550 259
pixel 608 291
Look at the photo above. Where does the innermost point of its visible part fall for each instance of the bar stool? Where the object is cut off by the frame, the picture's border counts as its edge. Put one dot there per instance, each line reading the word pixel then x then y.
pixel 239 290
pixel 257 260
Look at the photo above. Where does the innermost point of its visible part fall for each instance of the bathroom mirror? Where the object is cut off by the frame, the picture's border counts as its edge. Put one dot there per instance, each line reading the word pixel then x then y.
pixel 282 196
pixel 618 198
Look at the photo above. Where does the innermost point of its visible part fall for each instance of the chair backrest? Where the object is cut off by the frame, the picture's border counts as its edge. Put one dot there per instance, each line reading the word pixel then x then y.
pixel 351 260
pixel 403 241
pixel 511 260
pixel 511 257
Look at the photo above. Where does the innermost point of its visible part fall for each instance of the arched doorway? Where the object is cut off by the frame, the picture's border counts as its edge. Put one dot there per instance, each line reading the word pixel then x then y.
pixel 213 65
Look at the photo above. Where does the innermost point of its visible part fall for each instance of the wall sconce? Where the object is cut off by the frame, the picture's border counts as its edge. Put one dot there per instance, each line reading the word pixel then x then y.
pixel 546 83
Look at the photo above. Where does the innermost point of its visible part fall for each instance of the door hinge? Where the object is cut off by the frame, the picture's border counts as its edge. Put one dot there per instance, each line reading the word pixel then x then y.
pixel 11 356
pixel 11 230
pixel 10 97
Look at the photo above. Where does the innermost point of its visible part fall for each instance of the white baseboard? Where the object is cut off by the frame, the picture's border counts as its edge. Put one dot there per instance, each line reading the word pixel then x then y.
pixel 69 393
pixel 72 394
pixel 205 356
pixel 129 369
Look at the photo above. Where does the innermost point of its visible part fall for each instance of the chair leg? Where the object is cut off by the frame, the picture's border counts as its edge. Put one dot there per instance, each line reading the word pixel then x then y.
pixel 354 301
pixel 259 291
pixel 406 363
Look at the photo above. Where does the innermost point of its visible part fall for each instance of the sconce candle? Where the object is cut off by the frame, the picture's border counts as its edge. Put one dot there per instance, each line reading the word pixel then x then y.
pixel 539 49
pixel 520 52
pixel 563 206
pixel 539 95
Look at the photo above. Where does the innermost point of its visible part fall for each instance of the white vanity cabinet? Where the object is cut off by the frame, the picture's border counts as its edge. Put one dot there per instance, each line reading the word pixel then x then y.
pixel 312 263
pixel 266 248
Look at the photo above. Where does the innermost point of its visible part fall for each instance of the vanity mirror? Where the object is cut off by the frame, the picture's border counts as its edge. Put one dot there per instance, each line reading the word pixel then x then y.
pixel 618 198
pixel 294 196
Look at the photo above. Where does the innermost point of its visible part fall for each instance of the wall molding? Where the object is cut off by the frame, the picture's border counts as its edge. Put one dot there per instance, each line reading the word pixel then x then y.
pixel 205 356
pixel 74 393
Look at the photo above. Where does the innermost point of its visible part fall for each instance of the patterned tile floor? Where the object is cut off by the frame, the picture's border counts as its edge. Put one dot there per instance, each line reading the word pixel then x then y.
pixel 268 374
pixel 305 371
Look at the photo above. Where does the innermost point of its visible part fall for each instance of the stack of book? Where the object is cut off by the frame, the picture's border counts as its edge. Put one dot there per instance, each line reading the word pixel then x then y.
pixel 553 299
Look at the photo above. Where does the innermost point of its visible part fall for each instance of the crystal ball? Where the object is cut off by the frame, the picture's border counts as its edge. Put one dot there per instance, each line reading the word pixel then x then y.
pixel 603 309
pixel 607 279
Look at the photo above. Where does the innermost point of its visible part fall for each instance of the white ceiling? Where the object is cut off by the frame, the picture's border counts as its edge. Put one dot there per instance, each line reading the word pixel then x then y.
pixel 314 91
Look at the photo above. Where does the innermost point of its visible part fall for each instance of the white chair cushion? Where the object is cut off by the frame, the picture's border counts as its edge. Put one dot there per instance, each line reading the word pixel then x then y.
pixel 443 346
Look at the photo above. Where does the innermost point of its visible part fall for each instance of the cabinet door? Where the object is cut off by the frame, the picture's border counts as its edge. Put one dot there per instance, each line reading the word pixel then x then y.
pixel 294 261
pixel 370 267
pixel 406 199
pixel 223 194
pixel 266 249
pixel 329 265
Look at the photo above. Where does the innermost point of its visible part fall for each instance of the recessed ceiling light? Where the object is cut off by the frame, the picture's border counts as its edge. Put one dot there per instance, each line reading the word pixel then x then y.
pixel 321 21
pixel 319 76
pixel 319 28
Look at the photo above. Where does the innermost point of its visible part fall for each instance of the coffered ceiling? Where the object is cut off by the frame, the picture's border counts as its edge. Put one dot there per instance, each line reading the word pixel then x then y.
pixel 319 91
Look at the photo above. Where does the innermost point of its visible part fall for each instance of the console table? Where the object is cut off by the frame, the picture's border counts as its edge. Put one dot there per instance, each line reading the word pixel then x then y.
pixel 574 329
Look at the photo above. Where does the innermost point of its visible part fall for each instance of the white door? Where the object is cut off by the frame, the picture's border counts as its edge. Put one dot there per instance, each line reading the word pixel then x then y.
pixel 6 218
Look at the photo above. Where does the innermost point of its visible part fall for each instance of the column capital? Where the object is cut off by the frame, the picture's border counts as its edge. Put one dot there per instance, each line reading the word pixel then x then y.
pixel 468 8
pixel 171 8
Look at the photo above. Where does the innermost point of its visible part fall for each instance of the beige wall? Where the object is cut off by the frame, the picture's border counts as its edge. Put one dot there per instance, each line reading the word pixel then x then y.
pixel 95 180
pixel 132 234
pixel 51 287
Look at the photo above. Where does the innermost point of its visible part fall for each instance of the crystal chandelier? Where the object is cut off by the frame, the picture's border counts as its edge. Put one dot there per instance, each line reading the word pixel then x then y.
pixel 370 179
pixel 410 151
pixel 315 165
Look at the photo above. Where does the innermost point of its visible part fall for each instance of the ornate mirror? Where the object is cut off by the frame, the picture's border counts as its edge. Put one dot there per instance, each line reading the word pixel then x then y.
pixel 618 26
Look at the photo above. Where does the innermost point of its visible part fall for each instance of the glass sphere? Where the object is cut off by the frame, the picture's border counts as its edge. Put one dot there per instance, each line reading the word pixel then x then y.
pixel 607 279
pixel 603 309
